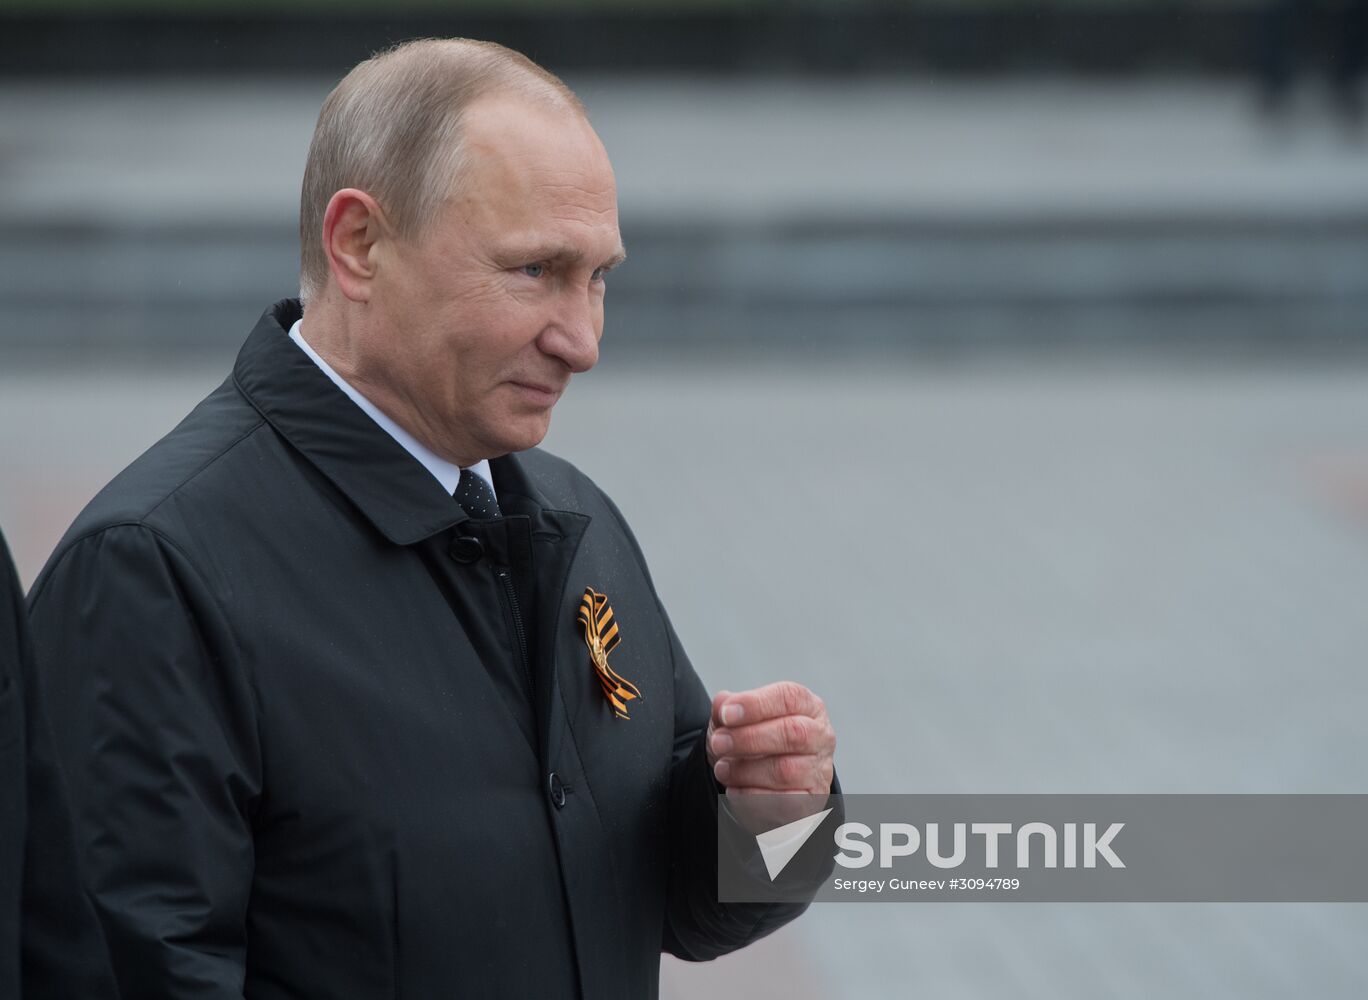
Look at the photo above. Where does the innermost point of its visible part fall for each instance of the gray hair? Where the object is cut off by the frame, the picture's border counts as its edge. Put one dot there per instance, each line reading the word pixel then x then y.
pixel 392 128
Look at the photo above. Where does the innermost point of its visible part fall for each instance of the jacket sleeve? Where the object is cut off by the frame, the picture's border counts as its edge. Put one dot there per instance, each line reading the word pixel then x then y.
pixel 155 727
pixel 697 926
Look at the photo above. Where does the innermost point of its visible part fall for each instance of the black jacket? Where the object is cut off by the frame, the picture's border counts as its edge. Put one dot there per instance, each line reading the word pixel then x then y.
pixel 329 738
pixel 50 944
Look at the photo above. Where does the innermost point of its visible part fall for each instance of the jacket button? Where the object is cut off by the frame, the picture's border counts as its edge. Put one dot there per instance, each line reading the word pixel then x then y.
pixel 557 788
pixel 467 549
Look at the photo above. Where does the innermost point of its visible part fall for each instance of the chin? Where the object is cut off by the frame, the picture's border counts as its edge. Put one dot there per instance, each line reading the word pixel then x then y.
pixel 521 433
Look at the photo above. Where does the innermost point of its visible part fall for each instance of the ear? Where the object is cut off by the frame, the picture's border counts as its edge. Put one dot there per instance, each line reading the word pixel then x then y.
pixel 352 226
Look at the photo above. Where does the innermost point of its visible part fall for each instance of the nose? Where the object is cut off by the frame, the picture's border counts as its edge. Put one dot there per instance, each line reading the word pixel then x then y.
pixel 573 334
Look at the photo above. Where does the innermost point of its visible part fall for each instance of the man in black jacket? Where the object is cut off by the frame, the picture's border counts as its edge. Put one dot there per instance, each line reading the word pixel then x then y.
pixel 361 694
pixel 50 943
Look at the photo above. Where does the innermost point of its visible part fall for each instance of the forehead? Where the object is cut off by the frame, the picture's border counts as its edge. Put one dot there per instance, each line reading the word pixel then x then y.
pixel 536 173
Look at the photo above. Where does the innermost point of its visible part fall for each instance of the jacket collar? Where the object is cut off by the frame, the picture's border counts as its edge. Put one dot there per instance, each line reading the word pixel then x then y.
pixel 387 484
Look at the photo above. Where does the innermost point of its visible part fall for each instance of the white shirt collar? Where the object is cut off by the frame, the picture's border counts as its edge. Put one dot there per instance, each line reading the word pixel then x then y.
pixel 447 473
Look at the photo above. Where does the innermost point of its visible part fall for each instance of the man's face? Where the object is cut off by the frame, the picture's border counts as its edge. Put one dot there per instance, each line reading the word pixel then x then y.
pixel 482 319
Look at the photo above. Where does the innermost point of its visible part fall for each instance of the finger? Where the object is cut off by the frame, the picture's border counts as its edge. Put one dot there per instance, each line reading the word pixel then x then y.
pixel 799 734
pixel 714 722
pixel 769 702
pixel 719 700
pixel 788 771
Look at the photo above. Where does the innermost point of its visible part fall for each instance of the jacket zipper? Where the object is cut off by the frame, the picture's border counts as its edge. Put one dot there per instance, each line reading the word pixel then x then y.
pixel 519 633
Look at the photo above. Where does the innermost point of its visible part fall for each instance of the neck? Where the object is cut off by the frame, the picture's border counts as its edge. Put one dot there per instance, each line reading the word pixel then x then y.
pixel 338 332
pixel 330 327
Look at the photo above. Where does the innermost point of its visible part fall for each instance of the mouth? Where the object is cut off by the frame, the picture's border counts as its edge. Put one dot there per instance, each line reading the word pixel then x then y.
pixel 539 393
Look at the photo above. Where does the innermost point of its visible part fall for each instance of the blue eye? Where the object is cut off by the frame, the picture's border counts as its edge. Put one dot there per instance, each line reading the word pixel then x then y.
pixel 533 270
pixel 599 274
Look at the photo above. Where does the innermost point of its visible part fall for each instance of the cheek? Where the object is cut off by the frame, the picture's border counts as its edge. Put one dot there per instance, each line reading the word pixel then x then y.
pixel 481 339
pixel 511 334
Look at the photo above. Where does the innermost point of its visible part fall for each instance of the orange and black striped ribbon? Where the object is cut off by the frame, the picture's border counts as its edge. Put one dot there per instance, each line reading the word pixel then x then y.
pixel 601 635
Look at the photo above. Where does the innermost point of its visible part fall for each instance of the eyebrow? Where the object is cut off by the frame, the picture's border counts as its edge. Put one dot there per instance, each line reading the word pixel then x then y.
pixel 560 253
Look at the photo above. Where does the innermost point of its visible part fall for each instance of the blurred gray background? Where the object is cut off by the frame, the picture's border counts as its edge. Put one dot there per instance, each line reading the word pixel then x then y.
pixel 1013 396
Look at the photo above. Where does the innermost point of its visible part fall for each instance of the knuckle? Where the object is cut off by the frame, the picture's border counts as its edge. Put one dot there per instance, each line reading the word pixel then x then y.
pixel 792 694
pixel 795 733
pixel 790 769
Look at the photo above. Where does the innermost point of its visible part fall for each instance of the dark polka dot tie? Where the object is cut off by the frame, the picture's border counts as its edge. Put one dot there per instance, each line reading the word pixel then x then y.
pixel 475 496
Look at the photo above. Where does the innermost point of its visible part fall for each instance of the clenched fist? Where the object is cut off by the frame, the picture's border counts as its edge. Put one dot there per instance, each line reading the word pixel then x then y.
pixel 775 738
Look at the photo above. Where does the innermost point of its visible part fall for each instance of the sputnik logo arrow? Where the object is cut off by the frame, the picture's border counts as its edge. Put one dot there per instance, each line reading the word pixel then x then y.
pixel 778 846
